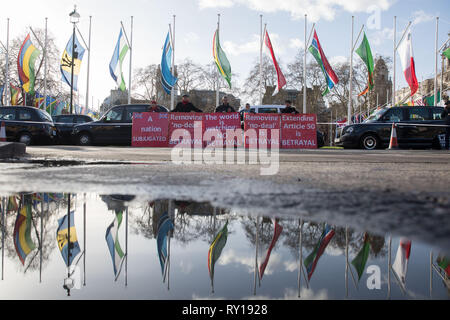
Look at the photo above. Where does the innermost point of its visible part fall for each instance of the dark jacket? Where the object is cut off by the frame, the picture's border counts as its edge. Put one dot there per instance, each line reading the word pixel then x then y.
pixel 188 107
pixel 445 115
pixel 289 110
pixel 225 108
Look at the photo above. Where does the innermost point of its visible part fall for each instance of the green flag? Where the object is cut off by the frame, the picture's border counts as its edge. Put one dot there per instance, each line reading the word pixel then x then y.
pixel 361 259
pixel 221 59
pixel 446 53
pixel 366 55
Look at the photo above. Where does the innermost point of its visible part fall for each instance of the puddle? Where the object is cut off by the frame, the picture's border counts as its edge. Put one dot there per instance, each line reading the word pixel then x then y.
pixel 205 252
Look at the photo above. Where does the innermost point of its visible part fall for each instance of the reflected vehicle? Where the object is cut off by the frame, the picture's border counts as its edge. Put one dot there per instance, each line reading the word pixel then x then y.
pixel 412 130
pixel 64 125
pixel 28 125
pixel 113 128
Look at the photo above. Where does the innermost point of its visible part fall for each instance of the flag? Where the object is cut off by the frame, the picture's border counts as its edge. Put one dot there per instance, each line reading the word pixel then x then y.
pixel 38 100
pixel 14 94
pixel 276 234
pixel 444 264
pixel 330 77
pixel 281 80
pixel 359 262
pixel 69 249
pixel 168 80
pixel 22 233
pixel 420 102
pixel 405 51
pixel 222 63
pixel 59 108
pixel 365 53
pixel 165 225
pixel 446 53
pixel 120 52
pixel 112 240
pixel 2 88
pixel 400 266
pixel 215 250
pixel 66 62
pixel 311 261
pixel 429 101
pixel 25 64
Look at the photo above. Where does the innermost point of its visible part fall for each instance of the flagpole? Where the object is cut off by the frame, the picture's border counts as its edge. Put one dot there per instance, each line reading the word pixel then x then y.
pixel 172 92
pixel 217 73
pixel 304 66
pixel 88 64
pixel 395 61
pixel 7 89
pixel 131 56
pixel 45 68
pixel 126 248
pixel 349 108
pixel 84 240
pixel 260 62
pixel 436 62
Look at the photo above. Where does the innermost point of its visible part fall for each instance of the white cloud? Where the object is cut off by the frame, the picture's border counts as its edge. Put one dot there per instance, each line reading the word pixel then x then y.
pixel 338 60
pixel 236 49
pixel 292 294
pixel 296 43
pixel 316 9
pixel 421 17
pixel 191 37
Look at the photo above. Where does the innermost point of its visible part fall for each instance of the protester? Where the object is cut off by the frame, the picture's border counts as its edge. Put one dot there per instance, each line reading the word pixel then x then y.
pixel 446 117
pixel 153 107
pixel 225 106
pixel 289 108
pixel 185 106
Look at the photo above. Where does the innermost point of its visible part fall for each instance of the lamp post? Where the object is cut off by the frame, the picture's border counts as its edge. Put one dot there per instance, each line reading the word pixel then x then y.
pixel 74 19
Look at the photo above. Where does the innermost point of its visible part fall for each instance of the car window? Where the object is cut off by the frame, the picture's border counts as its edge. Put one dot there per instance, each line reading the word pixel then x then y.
pixel 7 114
pixel 25 115
pixel 44 115
pixel 130 110
pixel 83 120
pixel 436 114
pixel 252 110
pixel 114 115
pixel 64 119
pixel 268 110
pixel 419 114
pixel 393 115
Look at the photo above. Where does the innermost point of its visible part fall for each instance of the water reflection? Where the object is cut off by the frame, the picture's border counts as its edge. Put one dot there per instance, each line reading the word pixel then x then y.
pixel 170 249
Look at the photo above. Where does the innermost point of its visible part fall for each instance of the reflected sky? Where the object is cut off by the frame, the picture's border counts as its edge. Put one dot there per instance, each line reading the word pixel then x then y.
pixel 196 225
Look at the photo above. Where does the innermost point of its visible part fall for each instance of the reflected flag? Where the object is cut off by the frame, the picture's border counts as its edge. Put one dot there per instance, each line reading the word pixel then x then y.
pixel 400 266
pixel 311 261
pixel 221 60
pixel 12 204
pixel 66 62
pixel 281 80
pixel 165 225
pixel 215 250
pixel 276 234
pixel 69 249
pixel 330 77
pixel 22 233
pixel 25 64
pixel 112 239
pixel 359 262
pixel 168 80
pixel 115 66
pixel 444 263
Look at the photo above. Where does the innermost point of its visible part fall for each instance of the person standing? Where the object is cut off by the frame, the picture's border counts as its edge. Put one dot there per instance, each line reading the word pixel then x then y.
pixel 289 108
pixel 185 106
pixel 446 117
pixel 225 106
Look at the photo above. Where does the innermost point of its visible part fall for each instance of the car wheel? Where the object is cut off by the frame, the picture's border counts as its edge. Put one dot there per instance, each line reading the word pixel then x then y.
pixel 370 142
pixel 84 139
pixel 25 138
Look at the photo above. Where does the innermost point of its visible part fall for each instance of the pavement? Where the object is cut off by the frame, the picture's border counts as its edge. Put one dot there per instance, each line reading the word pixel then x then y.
pixel 400 192
pixel 12 150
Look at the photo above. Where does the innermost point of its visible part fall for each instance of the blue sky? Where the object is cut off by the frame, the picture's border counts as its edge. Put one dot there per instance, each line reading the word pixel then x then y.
pixel 196 21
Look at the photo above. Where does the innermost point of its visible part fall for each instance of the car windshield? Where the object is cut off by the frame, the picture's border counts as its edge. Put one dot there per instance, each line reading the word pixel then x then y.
pixel 376 115
pixel 44 115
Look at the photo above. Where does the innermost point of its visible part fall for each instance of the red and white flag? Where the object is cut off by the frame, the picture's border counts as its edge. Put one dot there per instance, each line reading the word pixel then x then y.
pixel 276 234
pixel 400 266
pixel 405 51
pixel 281 79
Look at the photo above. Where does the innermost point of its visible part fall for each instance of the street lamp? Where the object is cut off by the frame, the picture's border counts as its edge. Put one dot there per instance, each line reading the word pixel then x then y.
pixel 74 18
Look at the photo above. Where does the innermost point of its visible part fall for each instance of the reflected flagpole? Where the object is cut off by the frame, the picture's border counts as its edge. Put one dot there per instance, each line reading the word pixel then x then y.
pixel 171 210
pixel 126 248
pixel 42 237
pixel 431 274
pixel 300 261
pixel 84 240
pixel 3 235
pixel 389 267
pixel 256 255
pixel 346 262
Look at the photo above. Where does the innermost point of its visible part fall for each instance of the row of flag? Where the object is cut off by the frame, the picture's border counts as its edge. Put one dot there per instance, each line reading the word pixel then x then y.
pixel 70 248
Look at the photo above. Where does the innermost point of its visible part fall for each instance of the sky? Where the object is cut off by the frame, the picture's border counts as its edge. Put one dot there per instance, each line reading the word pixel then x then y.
pixel 196 21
